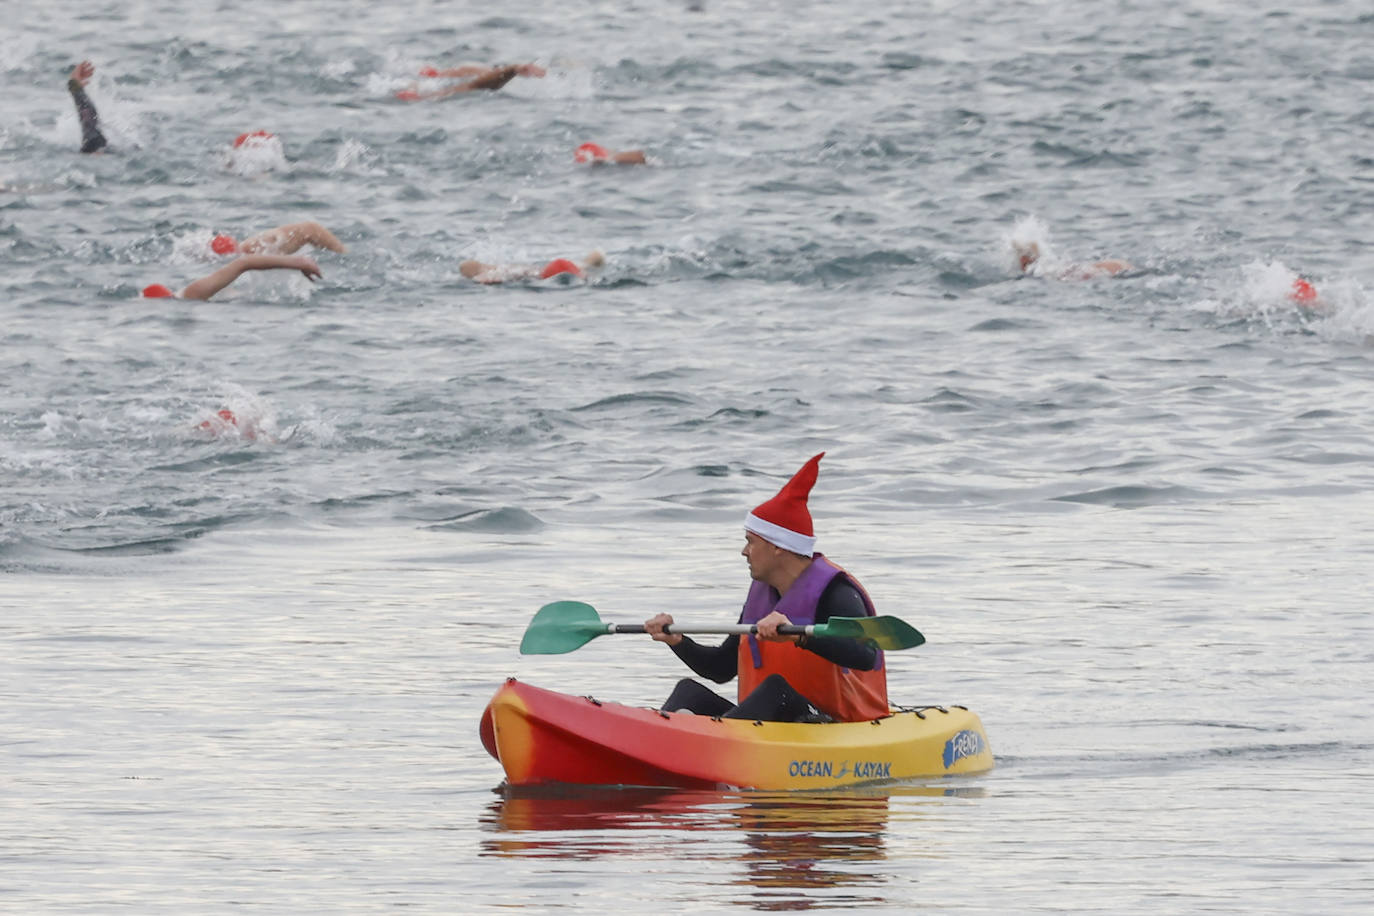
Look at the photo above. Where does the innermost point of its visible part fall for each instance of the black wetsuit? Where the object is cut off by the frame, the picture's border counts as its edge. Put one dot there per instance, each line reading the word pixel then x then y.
pixel 91 137
pixel 774 700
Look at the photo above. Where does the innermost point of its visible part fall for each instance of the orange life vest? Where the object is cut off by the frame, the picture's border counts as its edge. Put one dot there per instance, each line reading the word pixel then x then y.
pixel 844 694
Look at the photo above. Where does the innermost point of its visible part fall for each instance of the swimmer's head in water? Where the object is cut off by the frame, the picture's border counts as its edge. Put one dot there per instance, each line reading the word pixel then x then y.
pixel 1303 291
pixel 1027 253
pixel 157 291
pixel 225 414
pixel 224 244
pixel 559 266
pixel 591 152
pixel 252 137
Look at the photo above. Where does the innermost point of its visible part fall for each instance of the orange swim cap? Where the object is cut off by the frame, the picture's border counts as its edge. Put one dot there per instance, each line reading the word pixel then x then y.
pixel 1303 291
pixel 158 291
pixel 243 138
pixel 559 266
pixel 224 244
pixel 588 152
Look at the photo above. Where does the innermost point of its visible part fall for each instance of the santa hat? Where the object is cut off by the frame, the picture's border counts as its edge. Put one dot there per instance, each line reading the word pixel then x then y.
pixel 784 520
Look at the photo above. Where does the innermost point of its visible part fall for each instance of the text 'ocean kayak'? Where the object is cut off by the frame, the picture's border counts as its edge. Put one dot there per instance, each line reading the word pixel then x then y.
pixel 541 736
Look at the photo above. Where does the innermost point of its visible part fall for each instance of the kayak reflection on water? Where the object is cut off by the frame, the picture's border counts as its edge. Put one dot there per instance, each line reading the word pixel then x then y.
pixel 794 842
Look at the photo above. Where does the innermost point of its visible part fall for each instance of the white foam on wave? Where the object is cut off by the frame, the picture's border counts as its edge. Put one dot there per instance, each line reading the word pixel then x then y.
pixel 1259 290
pixel 193 246
pixel 256 419
pixel 1030 232
pixel 356 156
pixel 556 84
pixel 256 156
pixel 338 68
pixel 1267 287
pixel 1263 291
pixel 269 286
pixel 383 84
pixel 1346 312
pixel 239 414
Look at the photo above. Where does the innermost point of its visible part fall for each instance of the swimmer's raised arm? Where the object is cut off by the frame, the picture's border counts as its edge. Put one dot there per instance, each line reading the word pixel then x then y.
pixel 454 72
pixel 207 286
pixel 489 78
pixel 92 140
pixel 291 238
pixel 492 79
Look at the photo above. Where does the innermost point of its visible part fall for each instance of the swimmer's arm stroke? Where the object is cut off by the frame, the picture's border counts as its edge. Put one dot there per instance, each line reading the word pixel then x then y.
pixel 207 286
pixel 491 79
pixel 92 140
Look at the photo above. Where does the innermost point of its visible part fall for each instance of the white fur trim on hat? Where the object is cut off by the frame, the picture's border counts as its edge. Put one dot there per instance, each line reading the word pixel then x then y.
pixel 782 537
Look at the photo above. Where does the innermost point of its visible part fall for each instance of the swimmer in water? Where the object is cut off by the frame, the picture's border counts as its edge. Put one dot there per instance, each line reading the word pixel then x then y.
pixel 224 422
pixel 92 140
pixel 502 273
pixel 594 154
pixel 1028 256
pixel 1305 295
pixel 478 78
pixel 286 239
pixel 208 285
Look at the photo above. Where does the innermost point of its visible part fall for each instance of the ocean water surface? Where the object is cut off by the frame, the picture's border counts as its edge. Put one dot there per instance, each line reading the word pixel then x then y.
pixel 243 663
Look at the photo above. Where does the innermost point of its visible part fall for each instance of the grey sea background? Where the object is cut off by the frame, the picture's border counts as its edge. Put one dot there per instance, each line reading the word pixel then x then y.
pixel 241 667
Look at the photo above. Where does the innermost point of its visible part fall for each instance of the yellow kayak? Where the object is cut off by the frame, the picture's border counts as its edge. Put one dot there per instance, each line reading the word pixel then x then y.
pixel 542 736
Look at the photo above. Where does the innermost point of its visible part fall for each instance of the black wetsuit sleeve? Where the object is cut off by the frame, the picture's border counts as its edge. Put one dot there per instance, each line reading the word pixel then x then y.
pixel 715 663
pixel 91 137
pixel 840 599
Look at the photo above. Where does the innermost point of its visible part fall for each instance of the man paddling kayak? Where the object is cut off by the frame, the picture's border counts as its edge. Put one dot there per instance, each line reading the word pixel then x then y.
pixel 786 678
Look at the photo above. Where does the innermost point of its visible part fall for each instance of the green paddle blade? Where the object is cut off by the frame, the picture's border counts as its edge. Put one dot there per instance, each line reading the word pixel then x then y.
pixel 562 627
pixel 889 633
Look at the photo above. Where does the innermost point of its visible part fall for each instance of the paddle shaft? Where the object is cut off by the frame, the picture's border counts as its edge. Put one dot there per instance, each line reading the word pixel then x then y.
pixel 683 630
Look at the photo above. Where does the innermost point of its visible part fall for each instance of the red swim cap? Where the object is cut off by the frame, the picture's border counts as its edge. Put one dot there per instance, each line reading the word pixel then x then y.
pixel 559 266
pixel 226 419
pixel 158 291
pixel 429 72
pixel 225 414
pixel 590 151
pixel 243 138
pixel 224 244
pixel 408 95
pixel 1303 291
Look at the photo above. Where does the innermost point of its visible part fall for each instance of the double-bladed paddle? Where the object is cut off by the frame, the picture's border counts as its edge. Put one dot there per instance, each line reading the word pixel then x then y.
pixel 567 625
